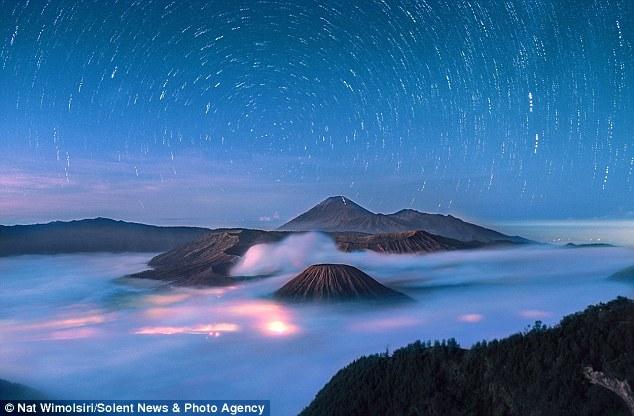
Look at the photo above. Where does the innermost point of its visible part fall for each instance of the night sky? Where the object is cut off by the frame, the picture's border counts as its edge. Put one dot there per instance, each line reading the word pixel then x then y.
pixel 248 112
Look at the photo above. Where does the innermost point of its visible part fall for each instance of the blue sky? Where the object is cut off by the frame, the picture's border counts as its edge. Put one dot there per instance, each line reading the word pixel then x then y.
pixel 248 112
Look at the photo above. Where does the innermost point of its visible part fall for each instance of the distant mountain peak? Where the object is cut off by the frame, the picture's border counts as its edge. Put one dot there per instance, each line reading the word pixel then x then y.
pixel 340 201
pixel 341 214
pixel 336 198
pixel 335 213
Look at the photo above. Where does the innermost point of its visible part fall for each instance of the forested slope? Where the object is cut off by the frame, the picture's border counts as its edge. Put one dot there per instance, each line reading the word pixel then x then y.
pixel 537 372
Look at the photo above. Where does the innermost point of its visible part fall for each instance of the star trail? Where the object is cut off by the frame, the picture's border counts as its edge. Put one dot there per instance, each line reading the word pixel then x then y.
pixel 204 112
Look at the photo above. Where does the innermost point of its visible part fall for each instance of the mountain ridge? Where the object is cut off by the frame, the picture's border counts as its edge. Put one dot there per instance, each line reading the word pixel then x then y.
pixel 93 235
pixel 347 222
pixel 341 214
pixel 208 260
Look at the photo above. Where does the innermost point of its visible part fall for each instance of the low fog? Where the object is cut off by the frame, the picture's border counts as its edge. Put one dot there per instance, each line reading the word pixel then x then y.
pixel 71 326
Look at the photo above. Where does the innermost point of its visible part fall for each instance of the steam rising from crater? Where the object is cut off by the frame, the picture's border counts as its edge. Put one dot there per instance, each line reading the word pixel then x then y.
pixel 298 251
pixel 294 253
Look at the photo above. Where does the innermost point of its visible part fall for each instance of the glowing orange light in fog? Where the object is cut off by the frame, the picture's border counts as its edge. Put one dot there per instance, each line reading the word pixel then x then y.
pixel 279 328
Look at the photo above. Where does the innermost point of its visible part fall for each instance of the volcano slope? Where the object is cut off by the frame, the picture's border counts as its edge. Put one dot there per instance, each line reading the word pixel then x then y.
pixel 335 283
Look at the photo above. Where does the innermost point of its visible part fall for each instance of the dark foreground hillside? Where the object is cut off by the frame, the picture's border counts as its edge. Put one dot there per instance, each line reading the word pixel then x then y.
pixel 538 372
